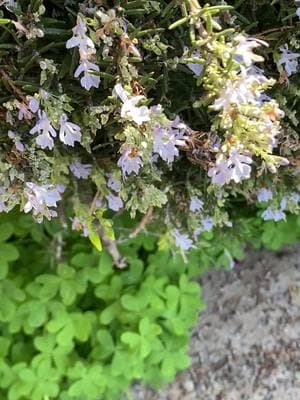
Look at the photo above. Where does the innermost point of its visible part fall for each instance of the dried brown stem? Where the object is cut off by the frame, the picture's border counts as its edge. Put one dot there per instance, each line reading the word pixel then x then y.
pixel 12 85
pixel 280 29
pixel 145 220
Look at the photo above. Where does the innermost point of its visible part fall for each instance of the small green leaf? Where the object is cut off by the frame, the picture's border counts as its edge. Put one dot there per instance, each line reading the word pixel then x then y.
pixel 4 348
pixel 131 338
pixel 95 238
pixel 5 21
pixel 6 231
pixel 67 292
pixel 130 303
pixel 8 252
pixel 109 313
pixel 3 269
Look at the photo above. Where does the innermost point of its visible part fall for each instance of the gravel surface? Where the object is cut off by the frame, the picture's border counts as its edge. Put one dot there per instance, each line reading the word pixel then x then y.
pixel 247 343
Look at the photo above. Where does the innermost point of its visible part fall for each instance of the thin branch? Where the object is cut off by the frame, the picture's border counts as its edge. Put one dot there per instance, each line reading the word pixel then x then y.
pixel 111 246
pixel 12 85
pixel 93 205
pixel 145 220
pixel 280 29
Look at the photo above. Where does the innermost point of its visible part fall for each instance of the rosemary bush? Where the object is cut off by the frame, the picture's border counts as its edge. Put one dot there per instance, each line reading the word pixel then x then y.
pixel 172 110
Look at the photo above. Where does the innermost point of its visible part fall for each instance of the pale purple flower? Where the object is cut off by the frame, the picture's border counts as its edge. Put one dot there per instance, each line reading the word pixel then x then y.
pixel 81 171
pixel 197 232
pixel 298 12
pixel 270 214
pixel 232 94
pixel 41 197
pixel 182 240
pixel 88 79
pixel 236 168
pixel 24 112
pixel 196 68
pixel 114 183
pixel 220 174
pixel 264 195
pixel 2 206
pixel 34 104
pixel 283 203
pixel 179 126
pixel 45 141
pixel 207 224
pixel 129 108
pixel 60 187
pixel 44 127
pixel 166 138
pixel 69 133
pixel 289 60
pixel 196 204
pixel 239 164
pixel 130 162
pixel 86 49
pixel 242 91
pixel 81 40
pixel 244 50
pixel 156 109
pixel 164 144
pixel 19 146
pixel 295 198
pixel 9 4
pixel 115 203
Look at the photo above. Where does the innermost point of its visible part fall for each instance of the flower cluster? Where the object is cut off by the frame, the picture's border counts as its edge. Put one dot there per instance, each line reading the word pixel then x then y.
pixel 41 198
pixel 276 205
pixel 248 117
pixel 179 126
pixel 86 52
pixel 69 133
pixel 164 136
pixel 114 200
pixel 289 60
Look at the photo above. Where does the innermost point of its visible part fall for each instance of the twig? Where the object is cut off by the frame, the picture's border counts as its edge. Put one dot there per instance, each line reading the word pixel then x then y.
pixel 281 29
pixel 111 247
pixel 12 85
pixel 145 220
pixel 93 205
pixel 109 244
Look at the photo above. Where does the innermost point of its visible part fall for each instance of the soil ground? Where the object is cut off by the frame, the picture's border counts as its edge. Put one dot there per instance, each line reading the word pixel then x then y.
pixel 246 345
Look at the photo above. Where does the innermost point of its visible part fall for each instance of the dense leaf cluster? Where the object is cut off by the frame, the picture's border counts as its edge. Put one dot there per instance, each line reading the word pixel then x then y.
pixel 112 106
pixel 60 64
pixel 71 327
